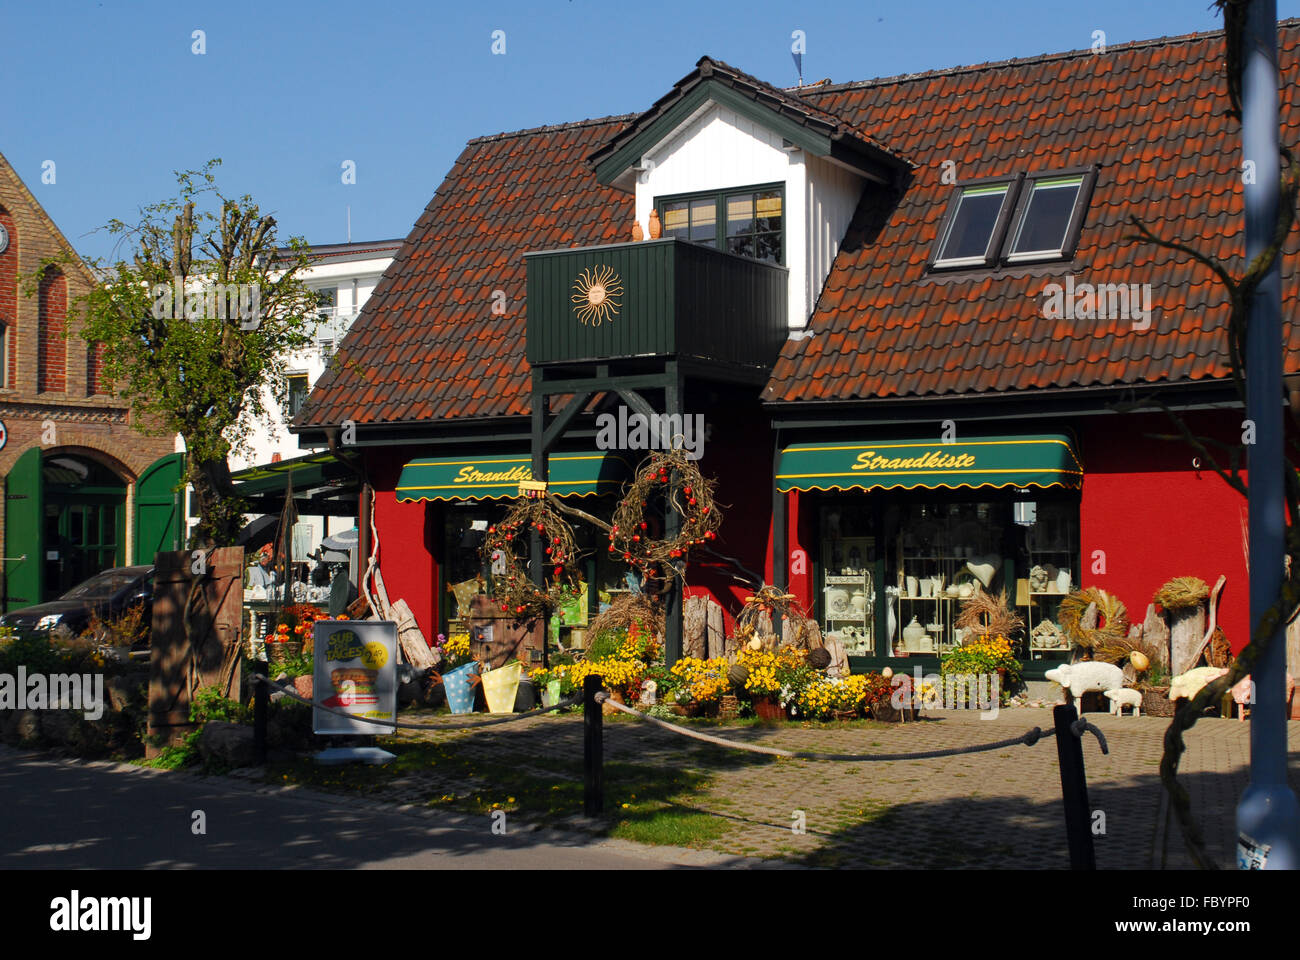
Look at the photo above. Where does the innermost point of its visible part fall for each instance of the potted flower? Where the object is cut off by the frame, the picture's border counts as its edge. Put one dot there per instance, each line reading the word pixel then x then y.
pixel 704 683
pixel 985 655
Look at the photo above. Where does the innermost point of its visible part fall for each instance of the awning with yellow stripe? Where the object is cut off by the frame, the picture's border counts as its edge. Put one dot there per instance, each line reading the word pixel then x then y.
pixel 488 478
pixel 1048 460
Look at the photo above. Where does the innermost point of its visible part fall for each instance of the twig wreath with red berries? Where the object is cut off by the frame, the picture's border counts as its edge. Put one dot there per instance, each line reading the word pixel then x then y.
pixel 671 479
pixel 514 589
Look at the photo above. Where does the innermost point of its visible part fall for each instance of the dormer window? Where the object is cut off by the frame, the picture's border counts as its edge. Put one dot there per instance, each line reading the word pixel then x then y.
pixel 1018 219
pixel 753 219
pixel 1050 207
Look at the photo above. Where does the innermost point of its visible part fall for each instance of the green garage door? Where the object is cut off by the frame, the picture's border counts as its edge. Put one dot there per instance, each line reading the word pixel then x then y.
pixel 24 516
pixel 159 518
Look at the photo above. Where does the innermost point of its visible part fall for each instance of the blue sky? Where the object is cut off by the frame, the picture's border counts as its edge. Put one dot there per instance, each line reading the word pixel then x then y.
pixel 286 91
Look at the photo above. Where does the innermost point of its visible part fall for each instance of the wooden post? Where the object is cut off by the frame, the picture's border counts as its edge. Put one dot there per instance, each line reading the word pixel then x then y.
pixel 261 697
pixel 1074 790
pixel 593 749
pixel 1186 635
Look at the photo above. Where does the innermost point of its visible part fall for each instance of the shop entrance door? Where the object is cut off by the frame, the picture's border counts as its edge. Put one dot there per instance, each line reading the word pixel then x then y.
pixel 85 521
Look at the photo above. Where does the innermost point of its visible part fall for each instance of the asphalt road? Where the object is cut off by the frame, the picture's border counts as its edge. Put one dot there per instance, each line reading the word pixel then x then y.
pixel 72 815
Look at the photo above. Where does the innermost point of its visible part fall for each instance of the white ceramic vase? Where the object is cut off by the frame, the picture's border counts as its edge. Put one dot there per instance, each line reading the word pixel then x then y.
pixel 1063 581
pixel 892 624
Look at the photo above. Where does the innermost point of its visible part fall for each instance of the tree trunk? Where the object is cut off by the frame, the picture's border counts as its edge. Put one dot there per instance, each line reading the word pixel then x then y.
pixel 1155 633
pixel 220 514
pixel 1186 635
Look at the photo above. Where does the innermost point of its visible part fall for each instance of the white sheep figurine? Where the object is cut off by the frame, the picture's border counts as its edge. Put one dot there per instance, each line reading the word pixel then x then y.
pixel 1086 676
pixel 1122 697
pixel 1189 684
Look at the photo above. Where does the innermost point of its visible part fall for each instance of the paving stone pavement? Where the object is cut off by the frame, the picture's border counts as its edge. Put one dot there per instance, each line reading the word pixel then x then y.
pixel 1000 809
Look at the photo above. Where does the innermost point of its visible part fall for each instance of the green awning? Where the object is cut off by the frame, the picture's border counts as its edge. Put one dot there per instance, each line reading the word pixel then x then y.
pixel 1017 461
pixel 309 471
pixel 487 478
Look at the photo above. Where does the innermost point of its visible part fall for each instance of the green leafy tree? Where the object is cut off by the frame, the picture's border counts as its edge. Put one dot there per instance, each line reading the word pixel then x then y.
pixel 197 312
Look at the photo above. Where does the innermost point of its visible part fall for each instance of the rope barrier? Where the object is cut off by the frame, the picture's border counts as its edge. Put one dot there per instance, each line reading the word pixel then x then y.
pixel 1029 738
pixel 571 701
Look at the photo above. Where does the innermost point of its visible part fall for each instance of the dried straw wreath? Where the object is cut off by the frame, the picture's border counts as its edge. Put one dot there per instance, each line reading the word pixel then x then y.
pixel 511 538
pixel 672 478
pixel 627 609
pixel 775 604
pixel 986 614
pixel 1182 593
pixel 1112 614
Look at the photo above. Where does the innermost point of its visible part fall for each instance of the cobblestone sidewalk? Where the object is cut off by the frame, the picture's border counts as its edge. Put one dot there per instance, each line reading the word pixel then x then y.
pixel 991 810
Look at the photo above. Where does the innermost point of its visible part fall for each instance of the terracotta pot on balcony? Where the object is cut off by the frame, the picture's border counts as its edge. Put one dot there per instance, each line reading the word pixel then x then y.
pixel 637 233
pixel 656 228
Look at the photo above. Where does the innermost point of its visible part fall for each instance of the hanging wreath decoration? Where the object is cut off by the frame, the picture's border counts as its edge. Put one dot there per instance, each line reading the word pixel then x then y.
pixel 671 478
pixel 1113 614
pixel 508 543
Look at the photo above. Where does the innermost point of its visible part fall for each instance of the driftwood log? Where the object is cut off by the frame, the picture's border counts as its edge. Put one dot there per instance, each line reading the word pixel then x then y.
pixel 695 627
pixel 1155 632
pixel 1186 636
pixel 1209 631
pixel 414 647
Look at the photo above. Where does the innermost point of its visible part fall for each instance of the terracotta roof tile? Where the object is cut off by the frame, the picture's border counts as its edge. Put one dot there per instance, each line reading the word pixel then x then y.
pixel 427 345
pixel 1152 115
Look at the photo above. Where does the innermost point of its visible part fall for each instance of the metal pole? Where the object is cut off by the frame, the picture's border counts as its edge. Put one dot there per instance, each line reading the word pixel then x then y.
pixel 593 749
pixel 262 693
pixel 1268 816
pixel 1074 790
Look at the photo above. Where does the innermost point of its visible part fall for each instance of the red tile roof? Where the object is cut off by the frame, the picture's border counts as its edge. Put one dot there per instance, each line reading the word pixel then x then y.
pixel 427 345
pixel 1152 114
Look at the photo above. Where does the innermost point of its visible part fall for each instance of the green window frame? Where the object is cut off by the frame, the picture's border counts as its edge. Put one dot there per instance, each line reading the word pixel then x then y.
pixel 747 221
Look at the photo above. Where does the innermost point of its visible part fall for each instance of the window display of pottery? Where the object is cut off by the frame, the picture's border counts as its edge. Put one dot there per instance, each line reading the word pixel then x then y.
pixel 1048 636
pixel 837 601
pixel 983 572
pixel 913 633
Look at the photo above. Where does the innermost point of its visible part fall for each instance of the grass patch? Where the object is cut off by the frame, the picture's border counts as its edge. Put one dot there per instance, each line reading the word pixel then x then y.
pixel 672 826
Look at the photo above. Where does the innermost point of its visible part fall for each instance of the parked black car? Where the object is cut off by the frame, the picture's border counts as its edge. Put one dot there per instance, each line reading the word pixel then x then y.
pixel 108 593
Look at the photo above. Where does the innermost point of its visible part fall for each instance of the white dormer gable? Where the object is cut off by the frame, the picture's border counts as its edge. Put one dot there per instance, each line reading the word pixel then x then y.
pixel 719 130
pixel 719 149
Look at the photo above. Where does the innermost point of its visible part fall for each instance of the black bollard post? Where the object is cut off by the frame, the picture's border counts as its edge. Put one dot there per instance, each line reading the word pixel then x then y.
pixel 1074 790
pixel 593 749
pixel 261 697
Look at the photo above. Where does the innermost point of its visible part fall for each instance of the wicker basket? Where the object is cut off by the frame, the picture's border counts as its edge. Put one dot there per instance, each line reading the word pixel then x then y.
pixel 280 652
pixel 1156 702
pixel 729 708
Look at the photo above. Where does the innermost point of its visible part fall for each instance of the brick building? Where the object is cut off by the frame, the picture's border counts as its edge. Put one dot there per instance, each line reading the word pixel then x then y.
pixel 84 490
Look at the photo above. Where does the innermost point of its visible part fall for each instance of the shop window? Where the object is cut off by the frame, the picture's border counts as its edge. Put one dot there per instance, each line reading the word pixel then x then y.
pixel 1050 570
pixel 848 563
pixel 752 218
pixel 895 570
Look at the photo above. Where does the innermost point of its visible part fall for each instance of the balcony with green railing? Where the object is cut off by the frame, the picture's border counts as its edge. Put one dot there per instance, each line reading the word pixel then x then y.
pixel 665 298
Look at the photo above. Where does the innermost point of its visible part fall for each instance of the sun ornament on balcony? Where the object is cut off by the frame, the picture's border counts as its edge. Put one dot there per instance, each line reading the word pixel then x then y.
pixel 595 295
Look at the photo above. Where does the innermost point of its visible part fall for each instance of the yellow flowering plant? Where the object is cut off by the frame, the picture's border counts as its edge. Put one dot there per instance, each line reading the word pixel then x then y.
pixel 702 681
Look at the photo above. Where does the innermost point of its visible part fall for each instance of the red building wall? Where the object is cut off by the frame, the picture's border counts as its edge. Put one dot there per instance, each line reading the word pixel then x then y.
pixel 738 455
pixel 1153 516
pixel 408 542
